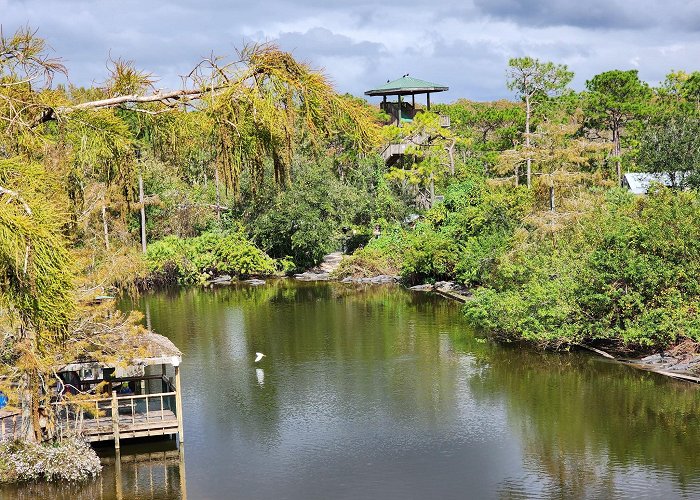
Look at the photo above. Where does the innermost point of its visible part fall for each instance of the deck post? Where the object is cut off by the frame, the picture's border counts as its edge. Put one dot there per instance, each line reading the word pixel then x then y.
pixel 178 402
pixel 118 474
pixel 115 419
pixel 183 475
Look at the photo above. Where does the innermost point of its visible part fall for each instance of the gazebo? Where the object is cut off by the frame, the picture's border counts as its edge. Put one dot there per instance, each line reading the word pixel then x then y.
pixel 122 398
pixel 401 111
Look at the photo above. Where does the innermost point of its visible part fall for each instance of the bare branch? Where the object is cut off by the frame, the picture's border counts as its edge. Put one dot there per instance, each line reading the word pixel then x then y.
pixel 15 194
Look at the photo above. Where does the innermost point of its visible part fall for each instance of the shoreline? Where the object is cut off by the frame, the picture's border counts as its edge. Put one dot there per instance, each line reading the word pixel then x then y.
pixel 669 363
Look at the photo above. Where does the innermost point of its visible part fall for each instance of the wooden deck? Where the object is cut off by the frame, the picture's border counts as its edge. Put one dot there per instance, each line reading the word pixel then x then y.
pixel 130 426
pixel 135 416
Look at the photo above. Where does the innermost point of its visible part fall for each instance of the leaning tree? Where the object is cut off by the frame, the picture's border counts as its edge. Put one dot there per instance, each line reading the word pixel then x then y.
pixel 55 142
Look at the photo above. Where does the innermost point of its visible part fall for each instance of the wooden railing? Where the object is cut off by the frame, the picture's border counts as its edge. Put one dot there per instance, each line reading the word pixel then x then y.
pixel 391 152
pixel 89 384
pixel 110 415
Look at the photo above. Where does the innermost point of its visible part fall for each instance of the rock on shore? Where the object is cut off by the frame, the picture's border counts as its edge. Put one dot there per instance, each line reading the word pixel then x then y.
pixel 676 363
pixel 375 280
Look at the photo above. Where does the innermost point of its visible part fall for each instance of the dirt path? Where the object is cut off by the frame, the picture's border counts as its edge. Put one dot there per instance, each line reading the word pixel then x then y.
pixel 330 262
pixel 323 270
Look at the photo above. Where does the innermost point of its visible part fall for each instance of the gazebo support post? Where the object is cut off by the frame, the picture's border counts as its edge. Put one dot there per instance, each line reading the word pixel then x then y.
pixel 400 101
pixel 428 94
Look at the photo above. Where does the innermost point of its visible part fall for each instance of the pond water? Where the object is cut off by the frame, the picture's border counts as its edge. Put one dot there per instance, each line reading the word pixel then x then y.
pixel 379 392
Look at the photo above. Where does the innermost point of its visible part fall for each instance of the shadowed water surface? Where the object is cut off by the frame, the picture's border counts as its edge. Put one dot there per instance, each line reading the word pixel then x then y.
pixel 383 393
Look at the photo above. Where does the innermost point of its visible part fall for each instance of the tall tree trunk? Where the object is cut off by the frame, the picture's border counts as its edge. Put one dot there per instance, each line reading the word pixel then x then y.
pixel 28 390
pixel 551 198
pixel 451 153
pixel 527 140
pixel 26 404
pixel 143 214
pixel 218 193
pixel 432 191
pixel 104 225
pixel 617 152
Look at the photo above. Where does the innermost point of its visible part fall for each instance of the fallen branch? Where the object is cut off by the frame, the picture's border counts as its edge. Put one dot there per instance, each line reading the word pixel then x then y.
pixel 166 98
pixel 680 376
pixel 598 351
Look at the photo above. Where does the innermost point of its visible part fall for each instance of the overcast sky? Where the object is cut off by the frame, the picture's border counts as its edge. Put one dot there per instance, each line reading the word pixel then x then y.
pixel 360 44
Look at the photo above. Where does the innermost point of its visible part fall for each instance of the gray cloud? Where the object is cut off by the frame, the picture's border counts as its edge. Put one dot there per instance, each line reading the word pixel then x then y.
pixel 323 42
pixel 592 14
pixel 462 43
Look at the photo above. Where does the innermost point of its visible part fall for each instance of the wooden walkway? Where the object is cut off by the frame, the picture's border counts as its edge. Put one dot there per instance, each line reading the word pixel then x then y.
pixel 135 417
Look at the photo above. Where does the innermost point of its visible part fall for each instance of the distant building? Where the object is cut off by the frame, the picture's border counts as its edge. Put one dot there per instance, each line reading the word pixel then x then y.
pixel 639 182
pixel 401 111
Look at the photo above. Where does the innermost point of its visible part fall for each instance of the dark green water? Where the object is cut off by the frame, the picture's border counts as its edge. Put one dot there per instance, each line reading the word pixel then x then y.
pixel 382 393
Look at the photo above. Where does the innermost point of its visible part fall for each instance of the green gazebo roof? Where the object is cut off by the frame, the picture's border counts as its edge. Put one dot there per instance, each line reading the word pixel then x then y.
pixel 407 85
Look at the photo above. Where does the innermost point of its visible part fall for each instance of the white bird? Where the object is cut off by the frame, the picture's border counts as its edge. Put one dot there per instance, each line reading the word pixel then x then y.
pixel 259 356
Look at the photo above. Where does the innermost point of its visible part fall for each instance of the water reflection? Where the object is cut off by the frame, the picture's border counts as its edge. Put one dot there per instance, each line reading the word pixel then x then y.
pixel 145 471
pixel 381 393
pixel 590 428
pixel 387 388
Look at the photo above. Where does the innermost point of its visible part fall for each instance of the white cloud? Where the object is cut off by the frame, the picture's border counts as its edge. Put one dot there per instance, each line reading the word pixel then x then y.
pixel 463 44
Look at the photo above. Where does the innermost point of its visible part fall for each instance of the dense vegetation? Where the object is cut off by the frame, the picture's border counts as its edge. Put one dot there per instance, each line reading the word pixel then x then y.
pixel 257 166
pixel 574 258
pixel 209 168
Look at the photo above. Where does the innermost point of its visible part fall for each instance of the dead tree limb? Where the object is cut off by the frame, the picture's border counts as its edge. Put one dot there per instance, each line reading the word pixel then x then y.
pixel 15 195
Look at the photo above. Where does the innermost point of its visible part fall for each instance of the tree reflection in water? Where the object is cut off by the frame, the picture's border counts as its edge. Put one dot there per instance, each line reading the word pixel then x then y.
pixel 378 392
pixel 590 428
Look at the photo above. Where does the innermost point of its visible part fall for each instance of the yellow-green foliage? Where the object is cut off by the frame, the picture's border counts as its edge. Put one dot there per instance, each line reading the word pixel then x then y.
pixel 35 268
pixel 269 105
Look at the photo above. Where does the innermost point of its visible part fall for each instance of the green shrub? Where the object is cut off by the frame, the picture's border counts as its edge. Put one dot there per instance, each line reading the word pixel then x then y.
pixel 195 260
pixel 459 239
pixel 304 222
pixel 430 255
pixel 366 263
pixel 383 255
pixel 627 273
